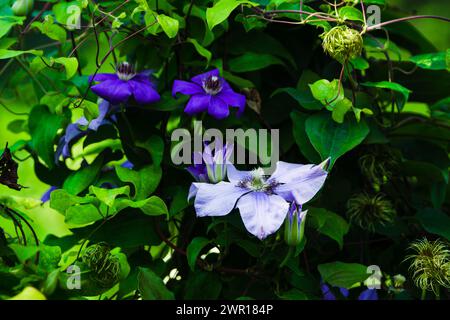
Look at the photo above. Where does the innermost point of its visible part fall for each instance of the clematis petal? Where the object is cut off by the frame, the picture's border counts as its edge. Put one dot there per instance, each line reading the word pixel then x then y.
pixel 199 78
pixel 216 199
pixel 143 91
pixel 235 175
pixel 46 196
pixel 185 87
pixel 300 183
pixel 198 171
pixel 197 103
pixel 103 77
pixel 368 294
pixel 115 91
pixel 233 99
pixel 192 191
pixel 262 214
pixel 326 292
pixel 218 108
pixel 344 292
pixel 103 109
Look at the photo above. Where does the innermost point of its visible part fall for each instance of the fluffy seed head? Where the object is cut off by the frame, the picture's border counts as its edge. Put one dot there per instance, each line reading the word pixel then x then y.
pixel 367 211
pixel 430 264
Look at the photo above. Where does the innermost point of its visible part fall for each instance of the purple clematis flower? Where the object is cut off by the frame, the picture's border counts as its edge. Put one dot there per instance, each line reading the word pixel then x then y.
pixel 46 196
pixel 210 166
pixel 125 83
pixel 263 201
pixel 74 132
pixel 329 295
pixel 209 92
pixel 368 294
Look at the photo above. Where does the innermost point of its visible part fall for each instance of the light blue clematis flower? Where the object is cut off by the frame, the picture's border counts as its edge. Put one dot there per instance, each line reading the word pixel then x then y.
pixel 263 201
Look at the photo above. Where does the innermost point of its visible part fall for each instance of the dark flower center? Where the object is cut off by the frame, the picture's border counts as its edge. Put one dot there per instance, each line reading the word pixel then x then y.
pixel 257 182
pixel 212 85
pixel 125 71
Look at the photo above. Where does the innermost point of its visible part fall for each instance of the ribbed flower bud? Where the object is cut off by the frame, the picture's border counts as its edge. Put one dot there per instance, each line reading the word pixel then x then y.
pixel 294 225
pixel 22 7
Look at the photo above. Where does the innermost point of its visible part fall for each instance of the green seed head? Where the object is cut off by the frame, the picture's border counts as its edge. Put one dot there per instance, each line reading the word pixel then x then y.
pixel 104 266
pixel 368 211
pixel 430 264
pixel 342 43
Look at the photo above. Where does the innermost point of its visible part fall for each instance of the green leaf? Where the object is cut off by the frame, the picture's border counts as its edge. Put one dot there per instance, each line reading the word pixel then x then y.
pixel 153 206
pixel 253 61
pixel 169 25
pixel 29 293
pixel 70 64
pixel 221 10
pixel 144 181
pixel 43 126
pixel 304 98
pixel 51 30
pixel 123 262
pixel 340 109
pixel 84 177
pixel 293 294
pixel 194 249
pixel 432 61
pixel 329 224
pixel 49 258
pixel 435 221
pixel 209 282
pixel 24 253
pixel 201 50
pixel 359 63
pixel 301 138
pixel 7 54
pixel 90 109
pixel 7 22
pixel 331 139
pixel 328 93
pixel 108 196
pixel 404 92
pixel 61 200
pixel 351 13
pixel 344 275
pixel 81 215
pixel 68 13
pixel 152 287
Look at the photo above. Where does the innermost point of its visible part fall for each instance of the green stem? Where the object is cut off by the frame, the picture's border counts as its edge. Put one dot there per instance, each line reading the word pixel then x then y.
pixel 288 256
pixel 424 294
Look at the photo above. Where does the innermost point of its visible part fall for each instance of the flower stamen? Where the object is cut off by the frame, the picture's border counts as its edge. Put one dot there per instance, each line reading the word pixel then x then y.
pixel 125 71
pixel 212 85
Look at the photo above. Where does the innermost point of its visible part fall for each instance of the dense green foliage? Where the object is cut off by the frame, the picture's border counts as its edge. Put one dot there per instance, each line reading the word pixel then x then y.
pixel 374 101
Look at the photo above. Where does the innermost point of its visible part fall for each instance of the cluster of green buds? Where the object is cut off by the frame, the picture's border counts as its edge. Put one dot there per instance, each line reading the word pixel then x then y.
pixel 430 265
pixel 294 225
pixel 368 211
pixel 104 265
pixel 22 7
pixel 342 43
pixel 395 283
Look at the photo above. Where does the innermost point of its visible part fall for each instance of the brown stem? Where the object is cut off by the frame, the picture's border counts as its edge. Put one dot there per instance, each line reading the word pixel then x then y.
pixel 377 26
pixel 45 7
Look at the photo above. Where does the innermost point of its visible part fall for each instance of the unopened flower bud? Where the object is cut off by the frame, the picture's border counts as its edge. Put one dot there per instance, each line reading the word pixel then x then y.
pixel 294 225
pixel 22 7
